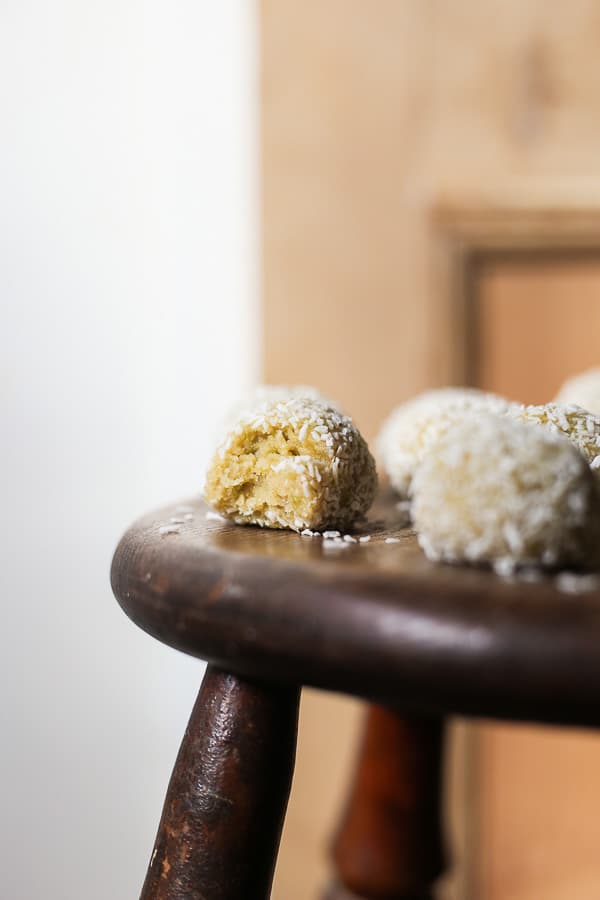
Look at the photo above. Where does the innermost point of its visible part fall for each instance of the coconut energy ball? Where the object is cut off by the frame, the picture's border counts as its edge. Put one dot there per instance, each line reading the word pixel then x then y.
pixel 497 490
pixel 583 390
pixel 295 463
pixel 581 427
pixel 271 393
pixel 413 427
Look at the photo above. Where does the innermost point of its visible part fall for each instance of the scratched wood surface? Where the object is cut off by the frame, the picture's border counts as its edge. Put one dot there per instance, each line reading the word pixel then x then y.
pixel 375 619
pixel 234 769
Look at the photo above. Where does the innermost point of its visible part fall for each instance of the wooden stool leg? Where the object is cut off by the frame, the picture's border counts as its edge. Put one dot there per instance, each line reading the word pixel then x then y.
pixel 221 823
pixel 389 844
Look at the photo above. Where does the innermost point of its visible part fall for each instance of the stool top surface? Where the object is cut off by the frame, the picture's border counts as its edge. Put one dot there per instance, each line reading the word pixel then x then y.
pixel 374 619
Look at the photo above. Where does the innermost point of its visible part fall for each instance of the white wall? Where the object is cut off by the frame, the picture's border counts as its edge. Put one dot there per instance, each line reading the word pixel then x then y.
pixel 127 322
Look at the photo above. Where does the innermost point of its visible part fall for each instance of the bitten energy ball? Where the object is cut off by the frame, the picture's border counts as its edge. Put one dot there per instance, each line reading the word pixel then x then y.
pixel 272 393
pixel 583 390
pixel 497 490
pixel 581 427
pixel 295 463
pixel 412 428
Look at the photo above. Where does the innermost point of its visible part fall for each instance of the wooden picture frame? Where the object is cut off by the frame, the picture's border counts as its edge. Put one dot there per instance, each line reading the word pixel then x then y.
pixel 516 220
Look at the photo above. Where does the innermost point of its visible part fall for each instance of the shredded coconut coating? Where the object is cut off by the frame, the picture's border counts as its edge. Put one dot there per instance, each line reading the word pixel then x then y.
pixel 496 490
pixel 583 390
pixel 413 427
pixel 581 427
pixel 296 463
pixel 272 393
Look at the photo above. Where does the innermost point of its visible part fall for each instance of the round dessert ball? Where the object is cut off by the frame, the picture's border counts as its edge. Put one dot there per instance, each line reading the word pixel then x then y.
pixel 581 427
pixel 295 463
pixel 411 428
pixel 497 490
pixel 272 393
pixel 583 390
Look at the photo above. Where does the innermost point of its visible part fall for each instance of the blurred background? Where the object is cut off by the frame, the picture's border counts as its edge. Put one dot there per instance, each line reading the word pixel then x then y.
pixel 128 298
pixel 375 198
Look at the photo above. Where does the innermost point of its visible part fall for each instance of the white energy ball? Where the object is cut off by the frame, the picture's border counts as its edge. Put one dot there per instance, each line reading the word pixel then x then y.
pixel 581 427
pixel 412 428
pixel 583 390
pixel 497 490
pixel 264 394
pixel 294 463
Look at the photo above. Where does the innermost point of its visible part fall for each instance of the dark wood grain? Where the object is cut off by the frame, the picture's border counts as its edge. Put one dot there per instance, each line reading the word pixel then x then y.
pixel 222 818
pixel 389 843
pixel 376 620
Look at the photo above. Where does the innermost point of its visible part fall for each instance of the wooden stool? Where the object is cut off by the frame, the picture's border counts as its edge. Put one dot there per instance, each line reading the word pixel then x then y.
pixel 272 611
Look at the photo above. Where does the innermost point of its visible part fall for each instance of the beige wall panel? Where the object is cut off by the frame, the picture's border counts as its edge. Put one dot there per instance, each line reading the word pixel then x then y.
pixel 539 809
pixel 369 111
pixel 539 322
pixel 340 133
pixel 328 734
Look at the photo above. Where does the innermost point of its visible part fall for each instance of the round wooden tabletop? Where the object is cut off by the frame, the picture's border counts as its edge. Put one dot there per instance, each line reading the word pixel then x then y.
pixel 372 618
